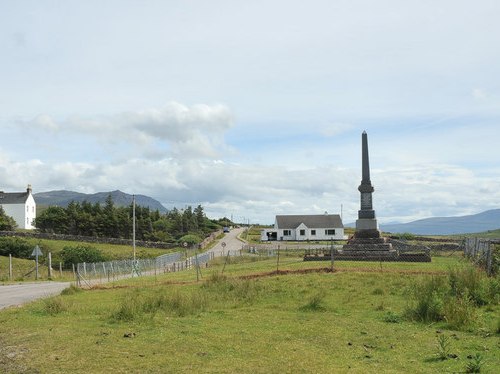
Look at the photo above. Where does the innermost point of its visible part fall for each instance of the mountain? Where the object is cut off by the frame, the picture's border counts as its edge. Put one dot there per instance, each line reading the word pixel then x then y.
pixel 485 221
pixel 63 198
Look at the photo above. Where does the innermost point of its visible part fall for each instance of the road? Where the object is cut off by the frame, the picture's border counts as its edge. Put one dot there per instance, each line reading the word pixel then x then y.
pixel 17 294
pixel 22 293
pixel 232 242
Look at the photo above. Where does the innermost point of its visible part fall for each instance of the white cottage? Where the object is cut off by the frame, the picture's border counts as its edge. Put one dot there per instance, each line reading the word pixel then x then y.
pixel 21 206
pixel 305 227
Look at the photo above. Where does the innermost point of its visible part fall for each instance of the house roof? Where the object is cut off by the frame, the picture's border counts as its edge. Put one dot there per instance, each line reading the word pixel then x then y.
pixel 311 221
pixel 13 197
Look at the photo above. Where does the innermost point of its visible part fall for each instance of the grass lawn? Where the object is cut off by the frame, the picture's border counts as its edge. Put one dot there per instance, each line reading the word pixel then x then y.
pixel 351 321
pixel 21 270
pixel 113 251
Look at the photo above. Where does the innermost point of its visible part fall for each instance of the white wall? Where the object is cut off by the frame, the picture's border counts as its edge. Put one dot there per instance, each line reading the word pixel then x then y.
pixel 23 214
pixel 320 234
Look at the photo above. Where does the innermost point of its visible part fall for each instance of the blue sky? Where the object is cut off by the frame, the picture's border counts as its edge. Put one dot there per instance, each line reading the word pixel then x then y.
pixel 255 108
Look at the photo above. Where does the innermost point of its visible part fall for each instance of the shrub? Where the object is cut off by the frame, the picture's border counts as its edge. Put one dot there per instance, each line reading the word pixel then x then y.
pixel 459 312
pixel 443 347
pixel 71 290
pixel 190 239
pixel 426 303
pixel 469 282
pixel 81 253
pixel 7 223
pixel 17 247
pixel 54 305
pixel 475 365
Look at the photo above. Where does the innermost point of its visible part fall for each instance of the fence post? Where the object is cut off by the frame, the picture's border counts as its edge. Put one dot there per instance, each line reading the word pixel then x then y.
pixel 74 272
pixel 489 256
pixel 50 265
pixel 60 269
pixel 278 260
pixel 331 256
pixel 10 266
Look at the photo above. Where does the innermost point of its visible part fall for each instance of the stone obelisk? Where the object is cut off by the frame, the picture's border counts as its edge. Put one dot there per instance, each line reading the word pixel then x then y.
pixel 366 224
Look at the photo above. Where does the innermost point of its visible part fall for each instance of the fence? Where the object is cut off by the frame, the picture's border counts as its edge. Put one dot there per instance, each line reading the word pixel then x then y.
pixel 482 253
pixel 89 274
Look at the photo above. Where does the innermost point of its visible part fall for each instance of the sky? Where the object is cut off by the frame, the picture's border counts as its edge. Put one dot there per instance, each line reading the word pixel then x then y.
pixel 255 108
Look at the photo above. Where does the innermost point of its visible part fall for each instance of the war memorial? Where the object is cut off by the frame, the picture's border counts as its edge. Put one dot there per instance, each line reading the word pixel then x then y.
pixel 367 243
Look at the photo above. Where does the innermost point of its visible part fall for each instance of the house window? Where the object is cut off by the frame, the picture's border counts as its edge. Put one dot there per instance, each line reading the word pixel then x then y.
pixel 33 209
pixel 302 232
pixel 287 232
pixel 313 232
pixel 27 209
pixel 330 232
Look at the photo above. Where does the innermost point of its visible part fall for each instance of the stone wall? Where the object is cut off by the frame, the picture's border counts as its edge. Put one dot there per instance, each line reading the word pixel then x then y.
pixel 88 239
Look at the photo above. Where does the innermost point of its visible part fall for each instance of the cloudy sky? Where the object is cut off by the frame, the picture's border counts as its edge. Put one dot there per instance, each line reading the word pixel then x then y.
pixel 255 108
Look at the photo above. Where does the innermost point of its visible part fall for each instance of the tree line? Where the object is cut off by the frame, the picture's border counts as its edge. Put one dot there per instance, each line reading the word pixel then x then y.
pixel 111 221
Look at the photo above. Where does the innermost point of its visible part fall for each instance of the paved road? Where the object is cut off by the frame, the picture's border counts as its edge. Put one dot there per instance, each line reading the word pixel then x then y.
pixel 17 294
pixel 233 244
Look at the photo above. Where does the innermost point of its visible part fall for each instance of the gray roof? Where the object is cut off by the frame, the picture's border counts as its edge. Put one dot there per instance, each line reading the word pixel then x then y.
pixel 13 197
pixel 311 221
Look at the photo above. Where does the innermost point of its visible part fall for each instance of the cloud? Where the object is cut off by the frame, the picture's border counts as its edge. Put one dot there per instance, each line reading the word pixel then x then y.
pixel 188 131
pixel 336 128
pixel 479 94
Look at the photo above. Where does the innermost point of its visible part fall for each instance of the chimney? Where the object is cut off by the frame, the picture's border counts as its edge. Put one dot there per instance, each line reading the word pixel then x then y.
pixel 28 190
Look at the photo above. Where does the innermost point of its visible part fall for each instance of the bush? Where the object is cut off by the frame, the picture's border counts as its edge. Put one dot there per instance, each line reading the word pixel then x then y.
pixel 190 239
pixel 469 282
pixel 427 299
pixel 460 313
pixel 17 247
pixel 54 305
pixel 81 253
pixel 7 223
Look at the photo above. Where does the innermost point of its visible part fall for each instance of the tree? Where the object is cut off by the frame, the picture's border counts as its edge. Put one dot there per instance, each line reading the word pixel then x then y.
pixel 53 219
pixel 81 253
pixel 7 223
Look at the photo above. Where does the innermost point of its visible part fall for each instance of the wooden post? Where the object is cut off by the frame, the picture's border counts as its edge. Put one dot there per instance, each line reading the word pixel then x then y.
pixel 50 265
pixel 10 266
pixel 60 269
pixel 278 260
pixel 74 272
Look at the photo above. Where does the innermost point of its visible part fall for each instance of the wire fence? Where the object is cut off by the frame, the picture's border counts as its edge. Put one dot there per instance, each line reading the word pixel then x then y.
pixel 482 253
pixel 90 274
pixel 387 255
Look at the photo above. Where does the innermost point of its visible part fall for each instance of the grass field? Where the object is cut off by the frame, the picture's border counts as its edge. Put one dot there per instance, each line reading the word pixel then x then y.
pixel 249 320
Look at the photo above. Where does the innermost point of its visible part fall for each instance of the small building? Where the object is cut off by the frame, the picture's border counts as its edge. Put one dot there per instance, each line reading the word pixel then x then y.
pixel 305 227
pixel 21 206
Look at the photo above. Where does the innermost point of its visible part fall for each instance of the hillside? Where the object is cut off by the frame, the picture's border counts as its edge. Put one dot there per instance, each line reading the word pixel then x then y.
pixel 485 221
pixel 63 198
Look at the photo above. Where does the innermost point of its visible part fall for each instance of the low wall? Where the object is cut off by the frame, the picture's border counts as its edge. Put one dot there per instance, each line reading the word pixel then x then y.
pixel 88 239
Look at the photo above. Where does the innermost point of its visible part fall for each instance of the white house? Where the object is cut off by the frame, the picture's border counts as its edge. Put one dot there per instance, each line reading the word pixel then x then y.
pixel 305 227
pixel 21 206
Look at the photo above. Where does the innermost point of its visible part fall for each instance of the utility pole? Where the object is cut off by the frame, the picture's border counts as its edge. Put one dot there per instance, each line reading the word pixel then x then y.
pixel 133 224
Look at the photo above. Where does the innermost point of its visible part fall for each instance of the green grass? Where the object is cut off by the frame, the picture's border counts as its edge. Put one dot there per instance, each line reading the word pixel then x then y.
pixel 347 321
pixel 112 251
pixel 20 270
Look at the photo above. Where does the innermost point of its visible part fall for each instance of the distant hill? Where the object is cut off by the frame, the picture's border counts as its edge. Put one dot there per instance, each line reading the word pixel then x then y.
pixel 63 198
pixel 485 221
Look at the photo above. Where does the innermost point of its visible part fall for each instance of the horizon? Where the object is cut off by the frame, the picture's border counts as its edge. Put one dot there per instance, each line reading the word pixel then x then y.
pixel 262 223
pixel 253 114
